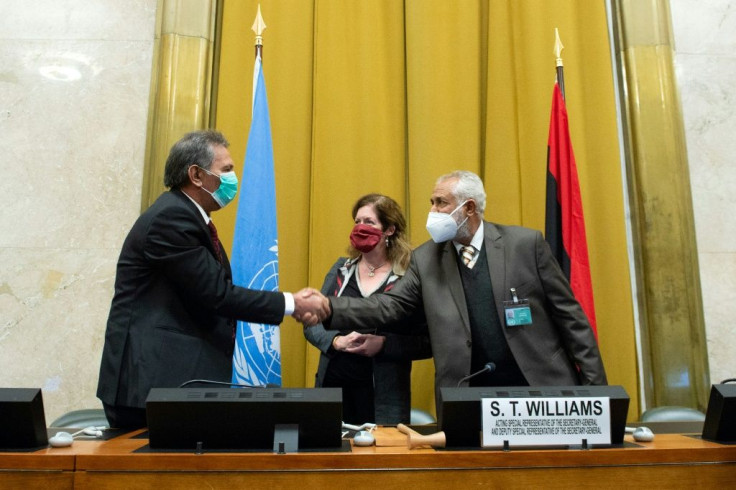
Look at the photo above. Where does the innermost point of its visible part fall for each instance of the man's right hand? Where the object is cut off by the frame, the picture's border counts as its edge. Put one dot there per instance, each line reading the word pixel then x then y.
pixel 310 306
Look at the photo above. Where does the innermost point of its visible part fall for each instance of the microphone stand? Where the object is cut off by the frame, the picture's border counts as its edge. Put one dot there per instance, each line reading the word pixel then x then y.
pixel 488 368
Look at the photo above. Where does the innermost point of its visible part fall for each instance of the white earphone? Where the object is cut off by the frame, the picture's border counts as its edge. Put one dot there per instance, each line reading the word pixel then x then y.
pixel 65 439
pixel 641 434
pixel 92 431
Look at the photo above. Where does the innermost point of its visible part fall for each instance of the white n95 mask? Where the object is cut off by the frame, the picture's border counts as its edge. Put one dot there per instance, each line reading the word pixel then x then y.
pixel 442 226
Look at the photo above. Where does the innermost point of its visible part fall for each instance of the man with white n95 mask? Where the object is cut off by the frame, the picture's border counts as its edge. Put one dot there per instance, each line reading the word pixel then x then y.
pixel 491 293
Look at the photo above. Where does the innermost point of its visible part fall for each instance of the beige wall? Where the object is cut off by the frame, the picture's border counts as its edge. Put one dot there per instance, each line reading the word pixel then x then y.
pixel 74 87
pixel 705 64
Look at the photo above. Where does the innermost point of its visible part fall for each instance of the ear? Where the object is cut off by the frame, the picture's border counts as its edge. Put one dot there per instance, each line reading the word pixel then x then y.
pixel 471 207
pixel 390 230
pixel 194 175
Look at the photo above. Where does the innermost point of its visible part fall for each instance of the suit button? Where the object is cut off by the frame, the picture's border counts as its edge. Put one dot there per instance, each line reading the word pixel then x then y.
pixel 469 343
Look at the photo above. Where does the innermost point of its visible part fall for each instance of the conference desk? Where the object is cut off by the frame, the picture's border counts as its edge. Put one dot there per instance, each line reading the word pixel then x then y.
pixel 678 460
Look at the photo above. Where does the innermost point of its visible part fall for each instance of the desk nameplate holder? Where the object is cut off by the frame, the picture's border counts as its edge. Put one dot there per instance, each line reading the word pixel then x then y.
pixel 545 422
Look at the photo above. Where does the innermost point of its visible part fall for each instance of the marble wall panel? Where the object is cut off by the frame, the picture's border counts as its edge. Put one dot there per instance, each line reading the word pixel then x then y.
pixel 55 303
pixel 704 27
pixel 708 100
pixel 718 277
pixel 705 68
pixel 74 90
pixel 73 147
pixel 78 19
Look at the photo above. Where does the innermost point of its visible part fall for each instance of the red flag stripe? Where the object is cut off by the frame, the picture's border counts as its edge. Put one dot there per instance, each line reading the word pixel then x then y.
pixel 566 220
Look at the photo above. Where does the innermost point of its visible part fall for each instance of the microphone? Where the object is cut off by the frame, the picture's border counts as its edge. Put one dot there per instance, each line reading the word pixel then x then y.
pixel 488 368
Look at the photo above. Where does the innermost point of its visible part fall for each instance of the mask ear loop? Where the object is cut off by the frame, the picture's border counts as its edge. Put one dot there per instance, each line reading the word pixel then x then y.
pixel 212 174
pixel 460 206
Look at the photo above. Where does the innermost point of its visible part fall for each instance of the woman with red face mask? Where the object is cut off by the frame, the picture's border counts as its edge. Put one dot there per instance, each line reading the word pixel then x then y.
pixel 373 368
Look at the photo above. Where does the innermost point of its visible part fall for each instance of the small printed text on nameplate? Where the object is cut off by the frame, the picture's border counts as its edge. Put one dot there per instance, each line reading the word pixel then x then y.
pixel 545 421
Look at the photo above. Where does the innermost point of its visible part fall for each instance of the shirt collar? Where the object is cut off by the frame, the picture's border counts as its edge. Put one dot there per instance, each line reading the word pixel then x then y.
pixel 206 218
pixel 476 242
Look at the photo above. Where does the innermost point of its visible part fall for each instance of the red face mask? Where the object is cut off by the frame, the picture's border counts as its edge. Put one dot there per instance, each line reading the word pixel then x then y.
pixel 365 238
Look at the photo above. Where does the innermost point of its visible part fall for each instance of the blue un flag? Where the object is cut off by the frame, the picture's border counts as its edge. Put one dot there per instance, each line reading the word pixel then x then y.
pixel 255 260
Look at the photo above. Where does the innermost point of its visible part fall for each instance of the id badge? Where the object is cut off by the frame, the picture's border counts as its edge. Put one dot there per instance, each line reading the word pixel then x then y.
pixel 517 312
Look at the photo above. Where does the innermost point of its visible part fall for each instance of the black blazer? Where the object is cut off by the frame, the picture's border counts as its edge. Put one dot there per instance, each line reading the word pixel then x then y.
pixel 171 318
pixel 405 342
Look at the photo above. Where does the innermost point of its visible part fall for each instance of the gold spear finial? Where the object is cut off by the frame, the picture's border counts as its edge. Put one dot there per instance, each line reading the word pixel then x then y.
pixel 258 27
pixel 558 47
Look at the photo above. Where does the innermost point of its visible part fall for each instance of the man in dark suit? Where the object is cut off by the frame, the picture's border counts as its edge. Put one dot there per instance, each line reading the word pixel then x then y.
pixel 172 317
pixel 510 305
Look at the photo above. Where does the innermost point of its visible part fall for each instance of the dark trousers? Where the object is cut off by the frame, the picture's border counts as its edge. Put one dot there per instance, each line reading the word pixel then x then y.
pixel 125 417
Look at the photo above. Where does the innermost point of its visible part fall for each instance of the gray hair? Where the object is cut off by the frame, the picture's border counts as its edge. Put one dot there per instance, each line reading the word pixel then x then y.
pixel 468 186
pixel 195 148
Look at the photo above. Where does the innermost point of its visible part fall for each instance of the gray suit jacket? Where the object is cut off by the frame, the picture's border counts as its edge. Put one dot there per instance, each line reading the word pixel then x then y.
pixel 558 348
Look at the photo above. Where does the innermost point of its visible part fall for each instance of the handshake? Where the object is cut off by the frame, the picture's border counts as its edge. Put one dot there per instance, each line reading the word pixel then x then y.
pixel 310 307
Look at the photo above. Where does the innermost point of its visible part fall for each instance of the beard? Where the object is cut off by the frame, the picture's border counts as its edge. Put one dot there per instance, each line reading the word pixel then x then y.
pixel 463 231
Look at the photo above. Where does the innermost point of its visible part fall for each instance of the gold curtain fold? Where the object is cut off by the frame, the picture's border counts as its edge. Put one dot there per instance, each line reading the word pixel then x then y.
pixel 387 95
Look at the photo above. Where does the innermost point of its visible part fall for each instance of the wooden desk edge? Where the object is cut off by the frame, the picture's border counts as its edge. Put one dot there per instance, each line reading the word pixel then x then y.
pixel 118 455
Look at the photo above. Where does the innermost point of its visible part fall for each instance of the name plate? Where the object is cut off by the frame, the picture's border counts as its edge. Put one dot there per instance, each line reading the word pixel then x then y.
pixel 545 421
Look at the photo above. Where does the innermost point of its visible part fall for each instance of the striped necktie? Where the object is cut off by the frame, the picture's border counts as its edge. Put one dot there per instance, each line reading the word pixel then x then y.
pixel 466 253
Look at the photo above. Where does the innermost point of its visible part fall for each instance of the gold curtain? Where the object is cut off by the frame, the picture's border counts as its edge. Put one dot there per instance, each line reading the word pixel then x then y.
pixel 387 95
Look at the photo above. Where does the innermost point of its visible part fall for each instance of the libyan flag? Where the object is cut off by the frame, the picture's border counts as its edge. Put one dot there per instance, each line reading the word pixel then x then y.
pixel 564 223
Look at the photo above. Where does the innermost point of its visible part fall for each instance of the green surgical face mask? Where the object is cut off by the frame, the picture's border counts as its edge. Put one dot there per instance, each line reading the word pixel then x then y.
pixel 224 194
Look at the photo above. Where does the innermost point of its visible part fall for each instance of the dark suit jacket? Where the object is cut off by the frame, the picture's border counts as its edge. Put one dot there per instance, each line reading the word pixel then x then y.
pixel 549 351
pixel 171 316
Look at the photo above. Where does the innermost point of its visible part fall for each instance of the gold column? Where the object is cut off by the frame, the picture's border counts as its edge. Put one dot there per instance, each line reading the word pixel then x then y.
pixel 674 352
pixel 181 82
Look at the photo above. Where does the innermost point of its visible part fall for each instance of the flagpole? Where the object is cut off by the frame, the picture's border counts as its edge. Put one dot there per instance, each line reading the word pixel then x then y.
pixel 255 263
pixel 564 221
pixel 258 27
pixel 560 68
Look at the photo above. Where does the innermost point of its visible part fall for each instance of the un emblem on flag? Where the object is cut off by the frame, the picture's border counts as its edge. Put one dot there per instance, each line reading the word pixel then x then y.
pixel 257 358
